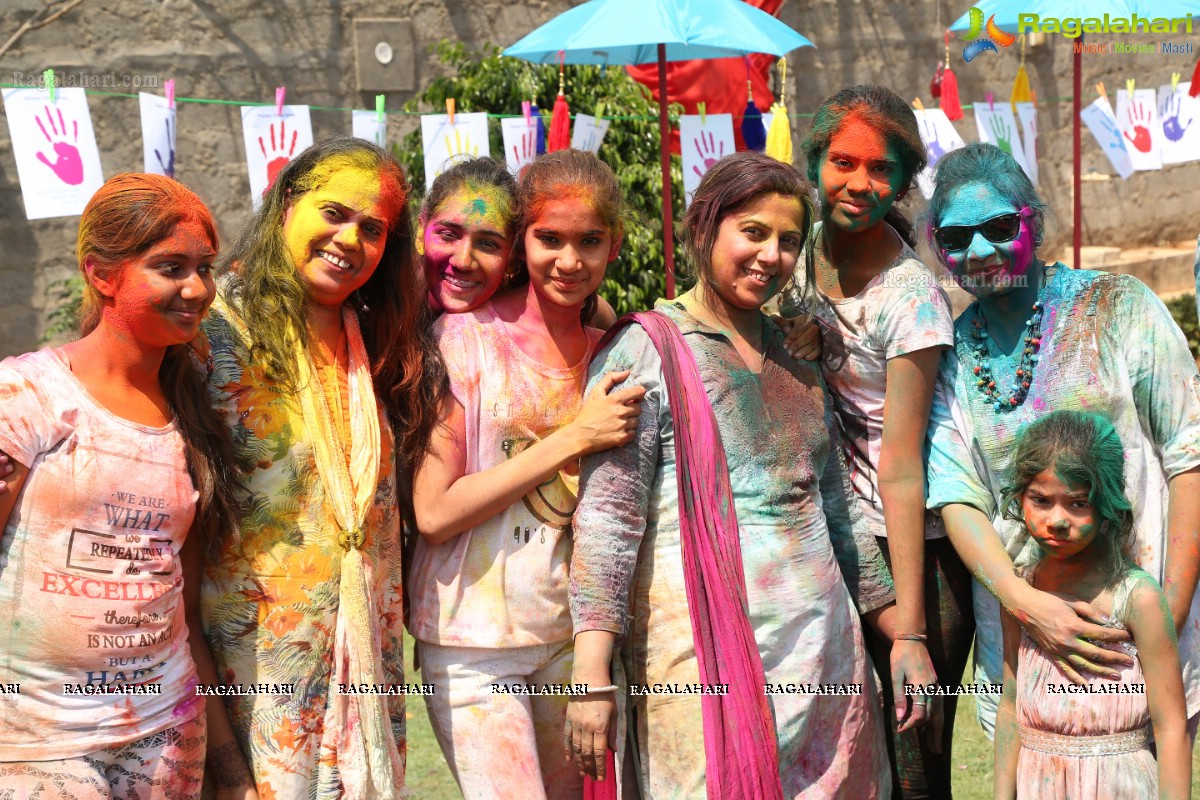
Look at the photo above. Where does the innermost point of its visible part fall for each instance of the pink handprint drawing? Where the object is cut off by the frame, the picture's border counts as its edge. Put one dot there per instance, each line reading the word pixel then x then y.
pixel 1139 117
pixel 283 152
pixel 706 147
pixel 68 166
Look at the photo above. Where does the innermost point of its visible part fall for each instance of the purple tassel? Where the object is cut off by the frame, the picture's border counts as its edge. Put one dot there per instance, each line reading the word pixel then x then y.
pixel 753 132
pixel 541 130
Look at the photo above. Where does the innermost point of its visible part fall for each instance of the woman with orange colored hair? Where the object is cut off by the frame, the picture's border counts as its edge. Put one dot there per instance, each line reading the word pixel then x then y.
pixel 123 476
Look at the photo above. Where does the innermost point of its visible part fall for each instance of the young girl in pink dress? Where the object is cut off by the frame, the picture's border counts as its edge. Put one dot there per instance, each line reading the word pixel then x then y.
pixel 1055 738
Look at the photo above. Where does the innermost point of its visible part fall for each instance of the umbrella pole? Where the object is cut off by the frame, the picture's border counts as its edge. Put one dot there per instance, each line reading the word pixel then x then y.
pixel 1077 234
pixel 664 133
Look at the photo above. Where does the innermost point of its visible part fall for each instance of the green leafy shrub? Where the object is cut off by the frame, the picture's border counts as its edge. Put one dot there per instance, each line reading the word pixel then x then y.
pixel 492 83
pixel 1183 309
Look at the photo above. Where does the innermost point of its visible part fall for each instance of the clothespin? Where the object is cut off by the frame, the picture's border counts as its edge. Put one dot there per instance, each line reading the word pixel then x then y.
pixel 280 95
pixel 1033 96
pixel 991 98
pixel 1100 91
pixel 702 110
pixel 600 110
pixel 1129 84
pixel 450 110
pixel 48 77
pixel 917 104
pixel 169 91
pixel 527 111
pixel 379 102
pixel 1175 76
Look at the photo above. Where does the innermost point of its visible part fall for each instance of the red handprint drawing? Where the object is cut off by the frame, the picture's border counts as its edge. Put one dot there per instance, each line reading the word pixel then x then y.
pixel 708 152
pixel 527 151
pixel 1139 117
pixel 282 156
pixel 68 166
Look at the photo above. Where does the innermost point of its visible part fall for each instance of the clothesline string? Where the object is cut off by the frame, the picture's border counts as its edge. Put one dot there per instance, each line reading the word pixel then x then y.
pixel 215 102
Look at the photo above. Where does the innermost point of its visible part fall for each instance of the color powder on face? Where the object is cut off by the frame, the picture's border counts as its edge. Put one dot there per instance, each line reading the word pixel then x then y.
pixel 985 268
pixel 468 244
pixel 860 177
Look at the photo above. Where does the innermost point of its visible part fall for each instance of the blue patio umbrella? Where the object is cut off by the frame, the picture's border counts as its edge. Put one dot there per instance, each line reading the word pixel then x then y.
pixel 1007 16
pixel 648 31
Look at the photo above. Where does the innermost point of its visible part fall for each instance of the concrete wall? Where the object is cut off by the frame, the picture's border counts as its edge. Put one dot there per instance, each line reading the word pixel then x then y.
pixel 237 50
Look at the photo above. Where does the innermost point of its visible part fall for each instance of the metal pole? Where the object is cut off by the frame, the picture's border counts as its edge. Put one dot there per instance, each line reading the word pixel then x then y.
pixel 1077 234
pixel 664 132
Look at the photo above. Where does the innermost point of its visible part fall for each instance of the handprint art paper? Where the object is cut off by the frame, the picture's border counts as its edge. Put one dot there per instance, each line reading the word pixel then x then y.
pixel 520 142
pixel 588 133
pixel 158 135
pixel 443 141
pixel 1027 114
pixel 703 143
pixel 1102 122
pixel 1138 118
pixel 368 125
pixel 1179 117
pixel 997 125
pixel 272 140
pixel 940 137
pixel 58 163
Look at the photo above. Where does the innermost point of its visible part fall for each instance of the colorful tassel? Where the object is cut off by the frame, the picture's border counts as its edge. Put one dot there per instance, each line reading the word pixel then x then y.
pixel 779 137
pixel 560 119
pixel 541 128
pixel 1194 91
pixel 949 100
pixel 935 85
pixel 753 133
pixel 1021 91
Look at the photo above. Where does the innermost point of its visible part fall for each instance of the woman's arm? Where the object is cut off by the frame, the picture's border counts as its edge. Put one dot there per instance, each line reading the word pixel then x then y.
pixel 447 501
pixel 8 498
pixel 1058 627
pixel 1150 621
pixel 1182 567
pixel 224 762
pixel 909 394
pixel 1008 740
pixel 591 726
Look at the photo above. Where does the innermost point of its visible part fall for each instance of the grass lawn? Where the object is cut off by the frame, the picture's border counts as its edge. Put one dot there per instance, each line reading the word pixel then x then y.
pixel 429 778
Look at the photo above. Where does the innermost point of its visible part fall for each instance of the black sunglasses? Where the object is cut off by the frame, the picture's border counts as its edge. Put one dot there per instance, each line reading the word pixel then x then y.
pixel 996 230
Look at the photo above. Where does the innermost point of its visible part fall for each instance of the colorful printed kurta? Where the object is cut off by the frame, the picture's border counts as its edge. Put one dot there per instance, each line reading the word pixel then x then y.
pixel 270 601
pixel 627 572
pixel 1118 766
pixel 901 310
pixel 1110 346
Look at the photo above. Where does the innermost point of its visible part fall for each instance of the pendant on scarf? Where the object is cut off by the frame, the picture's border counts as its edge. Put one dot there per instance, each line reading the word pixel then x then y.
pixel 986 383
pixel 351 539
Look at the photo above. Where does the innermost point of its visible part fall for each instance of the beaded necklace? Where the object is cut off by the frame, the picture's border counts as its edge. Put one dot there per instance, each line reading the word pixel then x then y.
pixel 1032 339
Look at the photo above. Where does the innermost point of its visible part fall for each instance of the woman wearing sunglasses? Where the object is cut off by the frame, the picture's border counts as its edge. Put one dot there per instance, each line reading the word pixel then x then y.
pixel 1042 338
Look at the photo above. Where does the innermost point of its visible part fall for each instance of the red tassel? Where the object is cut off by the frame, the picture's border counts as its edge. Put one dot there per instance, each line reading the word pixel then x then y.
pixel 559 137
pixel 950 102
pixel 935 85
pixel 1195 90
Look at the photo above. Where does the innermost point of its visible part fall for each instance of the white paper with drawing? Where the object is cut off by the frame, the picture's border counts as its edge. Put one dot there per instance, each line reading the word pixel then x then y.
pixel 588 133
pixel 940 137
pixel 703 143
pixel 58 163
pixel 272 140
pixel 520 142
pixel 1179 116
pixel 158 134
pixel 1027 114
pixel 1102 122
pixel 1138 118
pixel 997 125
pixel 369 125
pixel 443 141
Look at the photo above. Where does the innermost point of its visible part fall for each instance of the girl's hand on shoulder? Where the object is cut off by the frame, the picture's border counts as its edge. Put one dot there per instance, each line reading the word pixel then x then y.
pixel 608 418
pixel 1067 630
pixel 802 337
pixel 6 469
pixel 591 731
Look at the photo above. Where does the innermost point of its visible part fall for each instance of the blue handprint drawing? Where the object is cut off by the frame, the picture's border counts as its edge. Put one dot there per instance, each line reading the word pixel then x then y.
pixel 929 133
pixel 168 167
pixel 1170 111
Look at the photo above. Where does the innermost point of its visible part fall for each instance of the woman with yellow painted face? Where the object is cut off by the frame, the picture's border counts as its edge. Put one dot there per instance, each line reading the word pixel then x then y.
pixel 318 353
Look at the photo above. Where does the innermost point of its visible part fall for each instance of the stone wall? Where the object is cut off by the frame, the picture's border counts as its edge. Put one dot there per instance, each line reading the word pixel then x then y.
pixel 242 51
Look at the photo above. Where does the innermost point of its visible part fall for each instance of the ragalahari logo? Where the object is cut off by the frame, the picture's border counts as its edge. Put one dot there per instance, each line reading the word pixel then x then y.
pixel 995 36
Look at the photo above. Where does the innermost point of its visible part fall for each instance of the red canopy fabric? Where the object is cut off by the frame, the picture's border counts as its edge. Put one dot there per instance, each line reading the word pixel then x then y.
pixel 719 83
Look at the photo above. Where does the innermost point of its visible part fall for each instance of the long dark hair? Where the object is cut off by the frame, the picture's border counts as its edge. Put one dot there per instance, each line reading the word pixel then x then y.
pixel 1084 450
pixel 125 217
pixel 265 290
pixel 885 111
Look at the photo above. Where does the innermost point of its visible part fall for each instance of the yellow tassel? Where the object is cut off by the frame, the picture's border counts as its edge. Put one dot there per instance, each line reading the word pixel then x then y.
pixel 779 137
pixel 1021 92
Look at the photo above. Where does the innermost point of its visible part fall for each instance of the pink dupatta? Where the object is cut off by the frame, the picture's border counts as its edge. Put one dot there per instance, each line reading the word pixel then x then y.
pixel 739 731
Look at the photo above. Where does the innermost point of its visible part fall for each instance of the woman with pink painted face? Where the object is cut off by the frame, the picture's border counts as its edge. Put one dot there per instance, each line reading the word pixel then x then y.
pixel 884 322
pixel 1040 338
pixel 123 479
pixel 493 498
